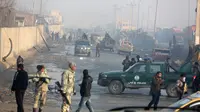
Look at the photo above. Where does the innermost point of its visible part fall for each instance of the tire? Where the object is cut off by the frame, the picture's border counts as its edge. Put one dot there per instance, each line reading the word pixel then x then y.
pixel 171 90
pixel 116 87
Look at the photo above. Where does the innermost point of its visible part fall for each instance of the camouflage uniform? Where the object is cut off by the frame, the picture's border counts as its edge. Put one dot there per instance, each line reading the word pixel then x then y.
pixel 67 83
pixel 41 89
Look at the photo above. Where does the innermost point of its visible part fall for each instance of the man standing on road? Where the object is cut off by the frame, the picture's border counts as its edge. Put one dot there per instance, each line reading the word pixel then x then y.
pixel 155 90
pixel 180 86
pixel 20 83
pixel 195 68
pixel 98 50
pixel 41 87
pixel 86 86
pixel 68 86
pixel 132 61
pixel 196 77
pixel 126 63
pixel 196 83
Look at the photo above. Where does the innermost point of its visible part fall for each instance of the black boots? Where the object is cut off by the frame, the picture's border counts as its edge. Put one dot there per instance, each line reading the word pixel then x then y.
pixel 35 110
pixel 40 110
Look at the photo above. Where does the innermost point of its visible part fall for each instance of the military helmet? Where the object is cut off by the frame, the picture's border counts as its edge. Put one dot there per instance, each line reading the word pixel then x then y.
pixel 72 64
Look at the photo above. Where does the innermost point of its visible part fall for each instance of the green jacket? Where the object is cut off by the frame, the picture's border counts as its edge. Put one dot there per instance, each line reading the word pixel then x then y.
pixel 67 81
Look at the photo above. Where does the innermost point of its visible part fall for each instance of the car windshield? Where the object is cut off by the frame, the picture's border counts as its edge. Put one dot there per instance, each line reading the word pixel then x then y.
pixel 82 43
pixel 162 51
pixel 180 103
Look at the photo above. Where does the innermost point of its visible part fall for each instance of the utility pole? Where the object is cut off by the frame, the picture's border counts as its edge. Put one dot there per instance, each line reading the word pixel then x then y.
pixel 155 19
pixel 138 18
pixel 115 16
pixel 148 18
pixel 132 9
pixel 41 2
pixel 33 12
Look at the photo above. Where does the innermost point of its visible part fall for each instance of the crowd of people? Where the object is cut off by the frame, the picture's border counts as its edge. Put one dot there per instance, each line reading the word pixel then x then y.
pixel 42 79
pixel 127 63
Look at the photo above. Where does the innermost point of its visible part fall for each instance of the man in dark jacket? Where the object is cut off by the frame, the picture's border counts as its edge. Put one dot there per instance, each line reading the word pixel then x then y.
pixel 138 58
pixel 155 90
pixel 196 78
pixel 126 63
pixel 132 61
pixel 19 86
pixel 86 86
pixel 98 50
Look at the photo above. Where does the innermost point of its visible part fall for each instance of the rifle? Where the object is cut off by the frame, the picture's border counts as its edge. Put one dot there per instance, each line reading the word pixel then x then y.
pixel 61 92
pixel 41 77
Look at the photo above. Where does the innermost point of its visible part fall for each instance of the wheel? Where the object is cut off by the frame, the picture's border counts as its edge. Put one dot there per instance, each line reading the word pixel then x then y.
pixel 171 90
pixel 116 87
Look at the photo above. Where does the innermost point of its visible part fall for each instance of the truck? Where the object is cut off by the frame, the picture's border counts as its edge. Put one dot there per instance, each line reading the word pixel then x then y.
pixel 140 75
pixel 125 47
pixel 107 43
pixel 82 46
pixel 160 54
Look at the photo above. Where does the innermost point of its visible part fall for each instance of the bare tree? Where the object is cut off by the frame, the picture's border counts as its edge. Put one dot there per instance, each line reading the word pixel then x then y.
pixel 7 4
pixel 6 7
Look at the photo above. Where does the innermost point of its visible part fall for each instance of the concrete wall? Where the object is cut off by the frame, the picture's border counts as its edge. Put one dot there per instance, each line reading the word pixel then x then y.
pixel 23 38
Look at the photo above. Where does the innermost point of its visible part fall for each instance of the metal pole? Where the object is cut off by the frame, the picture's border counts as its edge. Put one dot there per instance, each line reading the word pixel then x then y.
pixel 154 31
pixel 131 16
pixel 138 18
pixel 41 7
pixel 33 12
pixel 138 14
pixel 148 19
pixel 188 18
pixel 115 16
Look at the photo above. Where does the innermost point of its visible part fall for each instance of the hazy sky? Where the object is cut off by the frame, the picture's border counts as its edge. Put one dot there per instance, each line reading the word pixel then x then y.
pixel 85 13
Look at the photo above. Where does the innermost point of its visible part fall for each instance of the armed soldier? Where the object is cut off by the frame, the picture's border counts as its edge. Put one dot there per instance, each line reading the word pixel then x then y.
pixel 68 86
pixel 98 50
pixel 41 80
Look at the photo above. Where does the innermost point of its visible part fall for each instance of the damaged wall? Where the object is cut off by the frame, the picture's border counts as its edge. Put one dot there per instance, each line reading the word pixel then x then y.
pixel 23 38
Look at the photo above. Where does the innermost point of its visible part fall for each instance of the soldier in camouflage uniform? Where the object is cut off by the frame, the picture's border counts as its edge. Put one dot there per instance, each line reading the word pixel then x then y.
pixel 68 86
pixel 41 88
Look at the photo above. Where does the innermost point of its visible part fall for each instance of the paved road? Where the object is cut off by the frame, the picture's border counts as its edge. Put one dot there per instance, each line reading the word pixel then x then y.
pixel 101 99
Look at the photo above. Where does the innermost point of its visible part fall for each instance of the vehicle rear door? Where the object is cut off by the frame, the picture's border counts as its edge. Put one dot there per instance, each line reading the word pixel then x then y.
pixel 137 76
